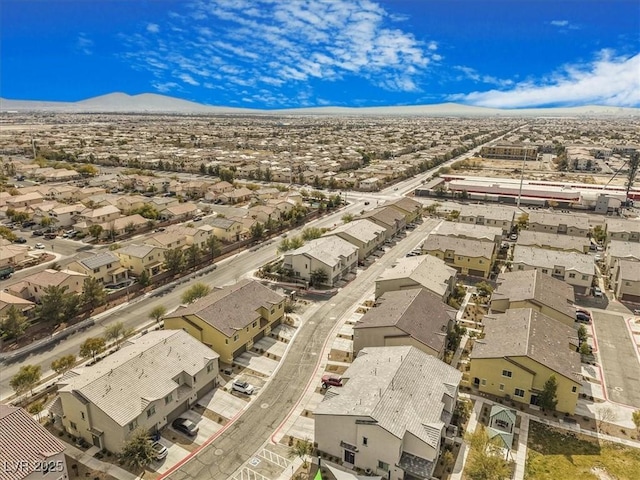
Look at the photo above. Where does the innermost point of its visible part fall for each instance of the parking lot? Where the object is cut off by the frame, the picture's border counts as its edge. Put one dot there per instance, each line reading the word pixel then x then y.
pixel 618 356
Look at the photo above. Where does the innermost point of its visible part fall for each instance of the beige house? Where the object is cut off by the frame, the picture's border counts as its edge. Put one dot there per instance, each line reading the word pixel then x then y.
pixel 65 215
pixel 562 223
pixel 391 415
pixel 520 350
pixel 365 235
pixel 577 269
pixel 336 257
pixel 27 447
pixel 231 319
pixel 183 211
pixel 495 216
pixel 168 239
pixel 536 290
pixel 100 215
pixel 33 286
pixel 141 258
pixel 225 229
pixel 620 250
pixel 626 284
pixel 413 317
pixel 411 209
pixel 623 230
pixel 104 267
pixel 128 203
pixel 470 231
pixel 468 256
pixel 12 254
pixel 388 217
pixel 264 213
pixel 7 301
pixel 26 200
pixel 146 384
pixel 554 241
pixel 123 225
pixel 193 235
pixel 423 271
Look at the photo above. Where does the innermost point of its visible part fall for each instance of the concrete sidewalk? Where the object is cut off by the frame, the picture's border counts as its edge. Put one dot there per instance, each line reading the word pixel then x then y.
pixel 521 455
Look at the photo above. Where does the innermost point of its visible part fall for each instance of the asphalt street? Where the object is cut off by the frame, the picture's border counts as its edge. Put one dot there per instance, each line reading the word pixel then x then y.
pixel 618 358
pixel 137 313
pixel 239 442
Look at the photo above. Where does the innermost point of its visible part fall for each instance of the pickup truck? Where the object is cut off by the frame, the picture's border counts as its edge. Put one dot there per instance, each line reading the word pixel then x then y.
pixel 6 272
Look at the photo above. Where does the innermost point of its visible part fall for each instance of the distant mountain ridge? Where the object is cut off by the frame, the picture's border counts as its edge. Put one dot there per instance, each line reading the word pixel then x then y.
pixel 155 103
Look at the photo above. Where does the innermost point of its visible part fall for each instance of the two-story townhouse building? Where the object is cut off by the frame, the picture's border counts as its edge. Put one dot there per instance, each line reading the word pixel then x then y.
pixel 467 256
pixel 391 415
pixel 231 319
pixel 104 267
pixel 496 216
pixel 561 223
pixel 141 258
pixel 146 384
pixel 364 234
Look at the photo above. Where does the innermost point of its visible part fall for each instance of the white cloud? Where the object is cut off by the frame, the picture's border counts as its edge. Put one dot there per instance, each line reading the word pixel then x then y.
pixel 559 23
pixel 472 74
pixel 276 43
pixel 186 78
pixel 608 80
pixel 84 44
pixel 165 86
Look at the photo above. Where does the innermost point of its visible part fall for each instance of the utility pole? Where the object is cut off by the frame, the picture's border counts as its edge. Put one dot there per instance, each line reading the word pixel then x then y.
pixel 524 161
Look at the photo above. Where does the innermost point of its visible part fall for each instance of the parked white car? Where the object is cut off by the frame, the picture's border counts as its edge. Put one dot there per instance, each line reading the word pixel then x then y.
pixel 39 246
pixel 242 387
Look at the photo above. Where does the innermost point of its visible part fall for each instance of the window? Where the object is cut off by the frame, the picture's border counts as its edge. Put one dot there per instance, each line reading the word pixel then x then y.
pixel 572 275
pixel 151 411
pixel 484 381
pixel 383 466
pixel 520 267
pixel 74 426
pixel 501 387
pixel 235 338
pixel 365 441
pixel 481 262
pixel 226 341
pixel 254 324
pixel 574 389
pixel 507 373
pixel 585 277
pixel 82 414
pixel 519 392
pixel 168 399
pixel 133 425
pixel 545 270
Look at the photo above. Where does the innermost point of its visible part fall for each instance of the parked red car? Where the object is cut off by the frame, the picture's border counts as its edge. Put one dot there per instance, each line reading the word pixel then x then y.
pixel 331 381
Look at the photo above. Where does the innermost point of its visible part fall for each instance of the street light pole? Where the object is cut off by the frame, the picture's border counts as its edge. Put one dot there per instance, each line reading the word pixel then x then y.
pixel 522 177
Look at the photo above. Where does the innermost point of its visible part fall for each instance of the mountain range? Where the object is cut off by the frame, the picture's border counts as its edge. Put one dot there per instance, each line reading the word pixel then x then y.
pixel 154 103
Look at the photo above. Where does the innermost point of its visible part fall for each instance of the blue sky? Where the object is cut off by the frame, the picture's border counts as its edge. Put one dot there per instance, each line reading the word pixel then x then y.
pixel 299 53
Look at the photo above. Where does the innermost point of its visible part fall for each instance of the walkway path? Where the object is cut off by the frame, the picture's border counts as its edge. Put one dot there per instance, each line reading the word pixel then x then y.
pixel 521 455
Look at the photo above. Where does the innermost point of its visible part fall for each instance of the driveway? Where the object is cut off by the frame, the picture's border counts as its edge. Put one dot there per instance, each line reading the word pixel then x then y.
pixel 618 357
pixel 207 428
pixel 176 454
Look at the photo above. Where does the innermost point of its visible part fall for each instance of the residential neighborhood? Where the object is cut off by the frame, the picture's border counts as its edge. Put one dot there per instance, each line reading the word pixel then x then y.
pixel 234 304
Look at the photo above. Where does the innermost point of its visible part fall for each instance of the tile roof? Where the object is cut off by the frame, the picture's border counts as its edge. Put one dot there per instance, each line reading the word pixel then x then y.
pixel 401 388
pixel 328 250
pixel 622 225
pixel 362 230
pixel 51 277
pixel 618 249
pixel 534 285
pixel 429 271
pixel 223 223
pixel 542 257
pixel 232 308
pixel 22 439
pixel 552 240
pixel 466 247
pixel 137 251
pixel 417 312
pixel 526 332
pixel 629 270
pixel 99 259
pixel 466 230
pixel 123 383
pixel 494 212
pixel 387 215
pixel 555 219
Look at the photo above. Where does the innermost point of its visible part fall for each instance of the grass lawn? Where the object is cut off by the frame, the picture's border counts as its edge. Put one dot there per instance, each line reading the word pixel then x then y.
pixel 554 454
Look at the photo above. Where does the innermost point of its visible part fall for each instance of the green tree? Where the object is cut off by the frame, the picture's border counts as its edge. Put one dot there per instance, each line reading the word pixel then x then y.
pixel 63 364
pixel 92 346
pixel 93 293
pixel 14 322
pixel 318 276
pixel 632 171
pixel 212 246
pixel 194 292
pixel 523 221
pixel 585 349
pixel 147 211
pixel 138 450
pixel 193 255
pixel 53 303
pixel 71 306
pixel 454 214
pixel 302 449
pixel 484 289
pixel 7 234
pixel 47 221
pixel 173 260
pixel 144 279
pixel 582 334
pixel 114 332
pixel 635 417
pixel 95 231
pixel 598 234
pixel 257 230
pixel 285 245
pixel 485 460
pixel 296 242
pixel 157 313
pixel 547 398
pixel 311 233
pixel 347 218
pixel 27 377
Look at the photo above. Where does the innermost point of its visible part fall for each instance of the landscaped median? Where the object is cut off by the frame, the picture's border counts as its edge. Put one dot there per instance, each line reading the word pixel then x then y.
pixel 554 454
